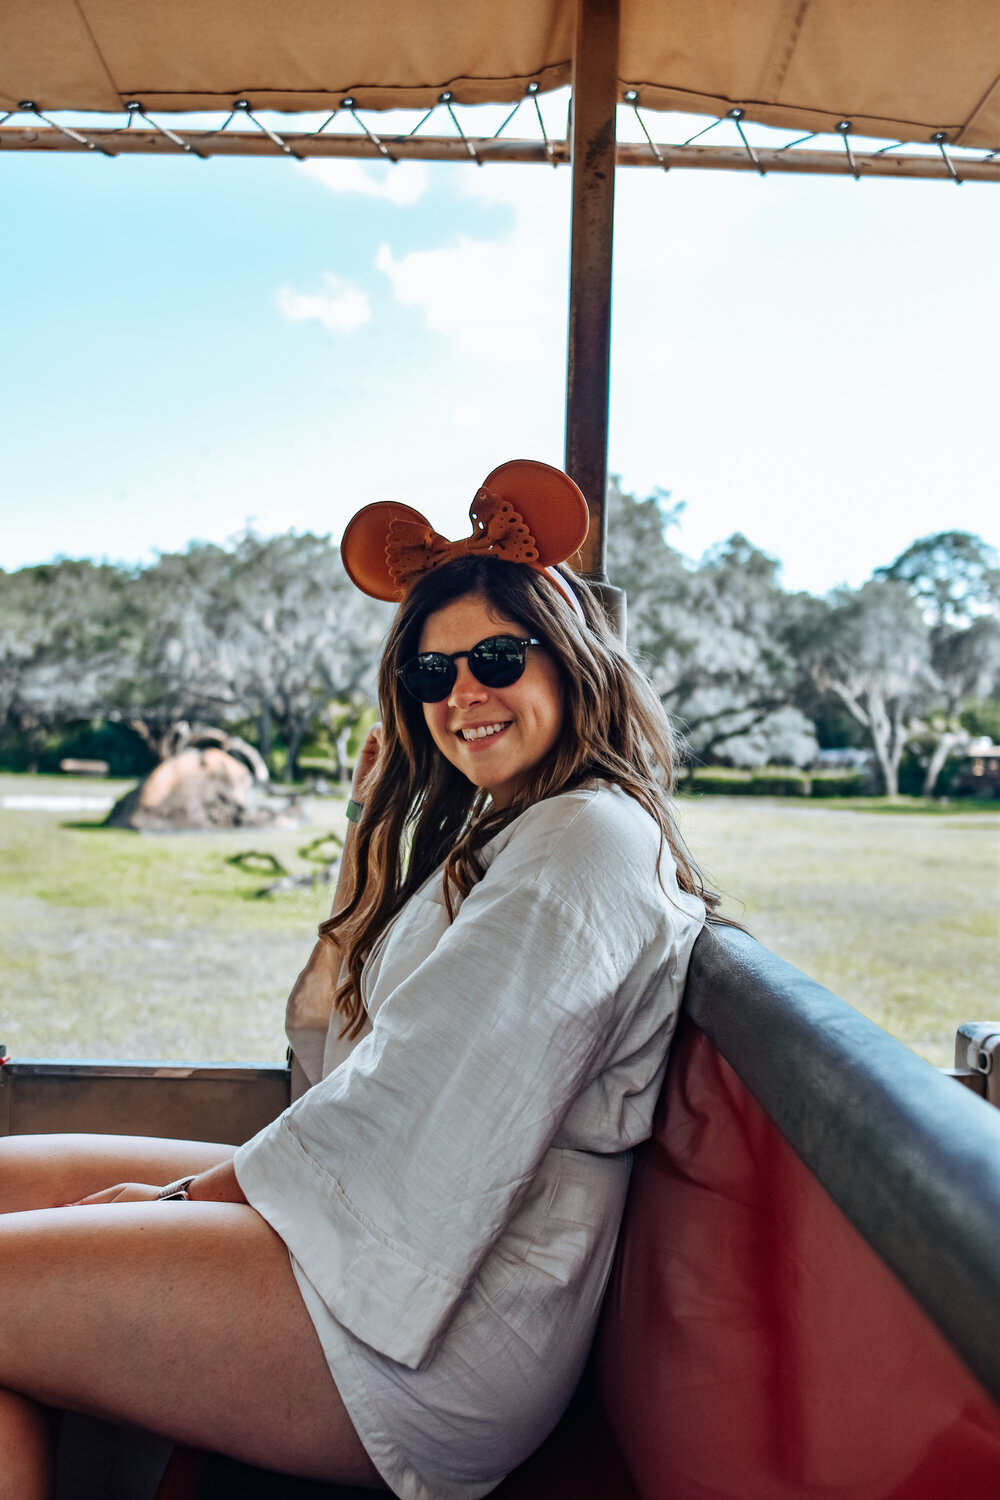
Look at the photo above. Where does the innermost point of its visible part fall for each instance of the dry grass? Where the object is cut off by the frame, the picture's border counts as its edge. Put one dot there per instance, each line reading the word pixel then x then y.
pixel 121 945
pixel 897 915
pixel 118 944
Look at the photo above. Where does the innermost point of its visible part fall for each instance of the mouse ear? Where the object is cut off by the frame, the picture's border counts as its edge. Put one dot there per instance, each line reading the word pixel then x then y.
pixel 363 547
pixel 550 504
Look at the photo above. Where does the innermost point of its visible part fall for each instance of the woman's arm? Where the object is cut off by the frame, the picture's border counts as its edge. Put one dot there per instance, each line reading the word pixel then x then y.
pixel 359 786
pixel 307 1014
pixel 218 1184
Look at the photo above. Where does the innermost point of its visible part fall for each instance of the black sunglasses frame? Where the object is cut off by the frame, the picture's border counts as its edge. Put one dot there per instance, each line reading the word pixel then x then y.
pixel 477 666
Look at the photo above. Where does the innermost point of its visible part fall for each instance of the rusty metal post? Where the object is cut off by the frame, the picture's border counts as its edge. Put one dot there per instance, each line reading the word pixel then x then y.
pixel 595 96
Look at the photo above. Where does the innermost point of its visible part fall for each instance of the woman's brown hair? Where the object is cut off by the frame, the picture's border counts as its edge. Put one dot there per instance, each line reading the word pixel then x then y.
pixel 420 811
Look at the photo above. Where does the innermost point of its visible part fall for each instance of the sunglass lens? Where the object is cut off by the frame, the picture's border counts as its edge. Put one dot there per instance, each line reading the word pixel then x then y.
pixel 499 661
pixel 429 677
pixel 496 662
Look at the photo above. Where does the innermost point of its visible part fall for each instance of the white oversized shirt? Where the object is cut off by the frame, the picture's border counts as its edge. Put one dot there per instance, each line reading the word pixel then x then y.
pixel 534 1024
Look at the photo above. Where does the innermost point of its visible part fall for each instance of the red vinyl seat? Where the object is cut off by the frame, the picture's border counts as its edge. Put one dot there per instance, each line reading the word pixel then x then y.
pixel 753 1346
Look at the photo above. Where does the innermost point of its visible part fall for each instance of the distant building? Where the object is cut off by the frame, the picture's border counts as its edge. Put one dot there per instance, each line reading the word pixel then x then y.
pixel 979 770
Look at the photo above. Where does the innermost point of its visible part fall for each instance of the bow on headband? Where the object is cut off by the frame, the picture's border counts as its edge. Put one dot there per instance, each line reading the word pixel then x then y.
pixel 414 547
pixel 525 512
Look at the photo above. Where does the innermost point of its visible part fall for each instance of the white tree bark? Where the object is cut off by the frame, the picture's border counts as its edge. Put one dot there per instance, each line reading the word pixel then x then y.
pixel 948 739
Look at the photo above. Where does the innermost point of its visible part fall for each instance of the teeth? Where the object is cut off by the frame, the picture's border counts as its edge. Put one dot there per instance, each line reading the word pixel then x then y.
pixel 482 731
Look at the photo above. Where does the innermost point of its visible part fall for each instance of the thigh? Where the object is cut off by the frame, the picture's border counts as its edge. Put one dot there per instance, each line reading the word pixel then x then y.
pixel 47 1171
pixel 183 1318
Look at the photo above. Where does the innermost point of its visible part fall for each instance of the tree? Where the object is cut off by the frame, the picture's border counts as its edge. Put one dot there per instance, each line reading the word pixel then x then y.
pixel 175 672
pixel 871 648
pixel 294 634
pixel 21 633
pixel 270 629
pixel 740 675
pixel 967 666
pixel 953 574
pixel 65 628
pixel 711 638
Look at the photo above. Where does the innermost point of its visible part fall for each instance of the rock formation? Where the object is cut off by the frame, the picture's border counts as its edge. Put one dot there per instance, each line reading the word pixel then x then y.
pixel 213 781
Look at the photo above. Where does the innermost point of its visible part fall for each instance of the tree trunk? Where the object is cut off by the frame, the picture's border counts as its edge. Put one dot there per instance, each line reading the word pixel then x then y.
pixel 338 743
pixel 340 749
pixel 947 741
pixel 265 734
pixel 881 734
pixel 293 741
pixel 890 771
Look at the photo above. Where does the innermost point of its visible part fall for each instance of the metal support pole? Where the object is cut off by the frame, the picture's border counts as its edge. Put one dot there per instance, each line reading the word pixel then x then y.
pixel 595 96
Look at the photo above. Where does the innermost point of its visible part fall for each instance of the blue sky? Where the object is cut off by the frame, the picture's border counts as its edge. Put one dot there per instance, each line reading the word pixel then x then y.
pixel 191 345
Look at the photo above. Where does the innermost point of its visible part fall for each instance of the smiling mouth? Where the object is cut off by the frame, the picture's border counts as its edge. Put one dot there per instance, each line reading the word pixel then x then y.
pixel 478 732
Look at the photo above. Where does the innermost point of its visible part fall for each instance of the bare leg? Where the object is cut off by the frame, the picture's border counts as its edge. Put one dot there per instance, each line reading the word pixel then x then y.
pixel 47 1171
pixel 26 1445
pixel 183 1318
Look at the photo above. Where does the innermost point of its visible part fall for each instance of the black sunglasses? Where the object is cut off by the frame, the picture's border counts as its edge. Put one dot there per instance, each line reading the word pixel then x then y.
pixel 496 662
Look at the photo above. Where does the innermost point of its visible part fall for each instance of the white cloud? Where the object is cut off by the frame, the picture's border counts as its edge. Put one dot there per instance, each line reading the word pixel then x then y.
pixel 400 183
pixel 342 309
pixel 502 299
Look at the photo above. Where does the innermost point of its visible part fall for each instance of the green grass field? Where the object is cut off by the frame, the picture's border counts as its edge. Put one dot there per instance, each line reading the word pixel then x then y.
pixel 118 944
pixel 123 945
pixel 900 916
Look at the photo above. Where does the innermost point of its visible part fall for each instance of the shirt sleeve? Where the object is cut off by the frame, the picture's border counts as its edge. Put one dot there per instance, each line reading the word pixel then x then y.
pixel 391 1179
pixel 309 1007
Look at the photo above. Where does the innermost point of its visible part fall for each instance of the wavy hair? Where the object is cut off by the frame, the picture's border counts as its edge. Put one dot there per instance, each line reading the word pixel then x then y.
pixel 420 811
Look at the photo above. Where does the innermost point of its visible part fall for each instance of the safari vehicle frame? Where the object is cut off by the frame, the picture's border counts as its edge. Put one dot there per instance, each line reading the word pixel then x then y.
pixel 910 1160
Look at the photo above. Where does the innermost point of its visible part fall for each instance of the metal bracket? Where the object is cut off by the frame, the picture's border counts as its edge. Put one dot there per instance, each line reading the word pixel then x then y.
pixel 134 108
pixel 844 129
pixel 979 1058
pixel 736 115
pixel 940 140
pixel 632 97
pixel 29 107
pixel 243 106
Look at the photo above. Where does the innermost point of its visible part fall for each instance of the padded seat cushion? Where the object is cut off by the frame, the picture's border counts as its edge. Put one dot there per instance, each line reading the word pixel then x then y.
pixel 752 1343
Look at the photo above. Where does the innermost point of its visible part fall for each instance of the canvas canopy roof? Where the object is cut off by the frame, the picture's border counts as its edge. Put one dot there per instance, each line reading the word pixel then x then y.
pixel 897 69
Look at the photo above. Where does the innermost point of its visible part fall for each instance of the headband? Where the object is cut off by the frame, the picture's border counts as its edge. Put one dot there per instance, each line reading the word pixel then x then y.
pixel 525 512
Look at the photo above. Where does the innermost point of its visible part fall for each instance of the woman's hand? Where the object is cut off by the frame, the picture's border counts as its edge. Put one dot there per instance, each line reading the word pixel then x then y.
pixel 366 762
pixel 122 1192
pixel 216 1185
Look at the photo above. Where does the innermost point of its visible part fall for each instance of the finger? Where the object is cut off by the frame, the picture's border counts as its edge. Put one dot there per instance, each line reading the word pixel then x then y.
pixel 122 1192
pixel 370 752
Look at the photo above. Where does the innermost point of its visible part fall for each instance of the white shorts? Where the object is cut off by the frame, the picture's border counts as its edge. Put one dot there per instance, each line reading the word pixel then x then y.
pixel 508 1364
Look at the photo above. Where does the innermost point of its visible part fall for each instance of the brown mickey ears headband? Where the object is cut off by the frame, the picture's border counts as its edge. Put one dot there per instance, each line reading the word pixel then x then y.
pixel 525 512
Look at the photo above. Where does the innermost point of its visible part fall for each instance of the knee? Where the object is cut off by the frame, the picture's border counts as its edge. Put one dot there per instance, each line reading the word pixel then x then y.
pixel 26 1441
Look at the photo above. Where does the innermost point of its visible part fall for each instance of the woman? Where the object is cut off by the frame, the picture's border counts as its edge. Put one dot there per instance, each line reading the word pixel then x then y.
pixel 397 1282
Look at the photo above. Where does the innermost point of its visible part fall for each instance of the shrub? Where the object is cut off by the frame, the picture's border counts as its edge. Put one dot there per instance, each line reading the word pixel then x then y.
pixel 310 765
pixel 97 739
pixel 709 781
pixel 775 781
pixel 981 718
pixel 779 781
pixel 840 784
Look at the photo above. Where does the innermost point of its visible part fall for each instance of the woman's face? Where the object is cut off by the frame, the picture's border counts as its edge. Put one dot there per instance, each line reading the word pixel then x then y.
pixel 525 718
